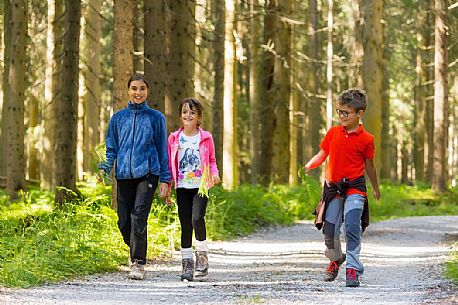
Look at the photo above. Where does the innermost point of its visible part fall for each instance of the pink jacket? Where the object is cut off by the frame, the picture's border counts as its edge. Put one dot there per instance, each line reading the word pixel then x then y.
pixel 206 150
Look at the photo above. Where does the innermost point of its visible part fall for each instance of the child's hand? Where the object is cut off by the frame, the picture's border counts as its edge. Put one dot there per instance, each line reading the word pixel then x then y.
pixel 214 180
pixel 376 194
pixel 163 189
pixel 101 176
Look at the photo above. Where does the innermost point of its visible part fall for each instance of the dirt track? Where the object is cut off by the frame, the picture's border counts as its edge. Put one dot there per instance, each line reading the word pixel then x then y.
pixel 403 260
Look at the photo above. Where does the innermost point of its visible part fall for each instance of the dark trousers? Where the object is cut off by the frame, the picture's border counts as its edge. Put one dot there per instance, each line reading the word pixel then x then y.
pixel 135 197
pixel 191 211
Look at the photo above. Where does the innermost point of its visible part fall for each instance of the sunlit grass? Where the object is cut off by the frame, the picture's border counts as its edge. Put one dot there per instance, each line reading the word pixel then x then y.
pixel 415 200
pixel 41 244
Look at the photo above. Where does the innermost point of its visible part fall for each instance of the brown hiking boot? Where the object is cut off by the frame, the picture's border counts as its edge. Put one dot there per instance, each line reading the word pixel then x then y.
pixel 333 268
pixel 201 264
pixel 187 274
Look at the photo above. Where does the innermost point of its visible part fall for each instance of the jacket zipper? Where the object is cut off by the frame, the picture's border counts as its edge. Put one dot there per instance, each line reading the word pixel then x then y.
pixel 132 147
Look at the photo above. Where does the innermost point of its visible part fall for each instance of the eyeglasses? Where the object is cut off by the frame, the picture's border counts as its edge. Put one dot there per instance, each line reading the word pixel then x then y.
pixel 344 113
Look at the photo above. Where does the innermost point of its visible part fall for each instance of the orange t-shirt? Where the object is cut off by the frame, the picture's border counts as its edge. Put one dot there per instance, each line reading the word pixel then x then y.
pixel 347 153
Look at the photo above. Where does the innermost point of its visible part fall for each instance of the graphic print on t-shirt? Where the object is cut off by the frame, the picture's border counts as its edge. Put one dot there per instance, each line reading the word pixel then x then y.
pixel 189 166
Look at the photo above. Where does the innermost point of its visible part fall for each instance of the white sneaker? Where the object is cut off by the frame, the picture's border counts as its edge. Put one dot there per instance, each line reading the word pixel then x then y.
pixel 137 271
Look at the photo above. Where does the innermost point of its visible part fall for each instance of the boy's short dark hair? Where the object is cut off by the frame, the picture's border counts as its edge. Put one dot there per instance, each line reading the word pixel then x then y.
pixel 195 105
pixel 353 98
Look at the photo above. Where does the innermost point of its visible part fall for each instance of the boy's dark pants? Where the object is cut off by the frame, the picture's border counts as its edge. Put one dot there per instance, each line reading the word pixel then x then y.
pixel 191 211
pixel 134 204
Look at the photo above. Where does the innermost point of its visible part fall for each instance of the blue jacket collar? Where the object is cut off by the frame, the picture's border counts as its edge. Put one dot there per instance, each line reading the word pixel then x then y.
pixel 137 107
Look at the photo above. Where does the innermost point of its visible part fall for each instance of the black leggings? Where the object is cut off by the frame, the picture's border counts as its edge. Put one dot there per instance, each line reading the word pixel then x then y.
pixel 191 211
pixel 134 204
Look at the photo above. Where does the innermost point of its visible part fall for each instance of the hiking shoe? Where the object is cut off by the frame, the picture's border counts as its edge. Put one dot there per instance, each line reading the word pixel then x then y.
pixel 201 263
pixel 188 270
pixel 333 269
pixel 137 271
pixel 352 278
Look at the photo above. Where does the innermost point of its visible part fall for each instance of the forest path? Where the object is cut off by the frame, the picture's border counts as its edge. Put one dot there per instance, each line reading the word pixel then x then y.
pixel 403 261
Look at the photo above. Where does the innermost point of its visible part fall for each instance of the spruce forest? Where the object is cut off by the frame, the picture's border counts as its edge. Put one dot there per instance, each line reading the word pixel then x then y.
pixel 267 71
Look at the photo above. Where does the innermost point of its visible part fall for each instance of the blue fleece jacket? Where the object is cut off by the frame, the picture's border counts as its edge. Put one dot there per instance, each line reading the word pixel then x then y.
pixel 137 140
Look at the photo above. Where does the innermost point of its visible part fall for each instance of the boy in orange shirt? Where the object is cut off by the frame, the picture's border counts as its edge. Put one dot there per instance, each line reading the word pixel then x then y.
pixel 344 200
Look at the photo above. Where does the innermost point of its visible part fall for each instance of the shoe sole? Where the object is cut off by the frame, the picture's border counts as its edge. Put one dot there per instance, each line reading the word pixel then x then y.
pixel 186 280
pixel 352 284
pixel 330 280
pixel 201 274
pixel 138 278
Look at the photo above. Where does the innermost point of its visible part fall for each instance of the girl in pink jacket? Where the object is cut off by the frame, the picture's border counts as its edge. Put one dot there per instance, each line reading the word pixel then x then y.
pixel 193 166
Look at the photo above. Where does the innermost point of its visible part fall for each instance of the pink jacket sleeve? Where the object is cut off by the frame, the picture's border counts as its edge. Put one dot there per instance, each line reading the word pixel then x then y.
pixel 212 159
pixel 169 152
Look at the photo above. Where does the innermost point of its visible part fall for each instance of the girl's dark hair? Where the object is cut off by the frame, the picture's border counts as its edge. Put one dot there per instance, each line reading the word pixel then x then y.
pixel 137 76
pixel 353 98
pixel 193 104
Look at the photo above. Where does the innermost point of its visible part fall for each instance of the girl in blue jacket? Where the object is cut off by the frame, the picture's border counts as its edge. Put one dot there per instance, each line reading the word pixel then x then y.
pixel 137 141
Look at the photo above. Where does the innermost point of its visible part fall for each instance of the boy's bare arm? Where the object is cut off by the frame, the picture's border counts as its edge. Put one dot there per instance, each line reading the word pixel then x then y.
pixel 316 160
pixel 372 174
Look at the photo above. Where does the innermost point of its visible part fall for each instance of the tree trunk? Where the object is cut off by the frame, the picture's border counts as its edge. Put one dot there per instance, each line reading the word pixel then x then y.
pixel 67 108
pixel 33 163
pixel 122 51
pixel 218 97
pixel 356 47
pixel 52 91
pixel 266 109
pixel 92 73
pixel 386 140
pixel 139 16
pixel 329 54
pixel 453 145
pixel 255 88
pixel 440 97
pixel 404 162
pixel 429 108
pixel 182 59
pixel 156 52
pixel 15 177
pixel 5 84
pixel 420 97
pixel 314 112
pixel 230 160
pixel 293 115
pixel 372 71
pixel 282 93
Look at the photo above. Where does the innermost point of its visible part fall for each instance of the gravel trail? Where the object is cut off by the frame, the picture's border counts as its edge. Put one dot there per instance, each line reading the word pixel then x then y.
pixel 403 261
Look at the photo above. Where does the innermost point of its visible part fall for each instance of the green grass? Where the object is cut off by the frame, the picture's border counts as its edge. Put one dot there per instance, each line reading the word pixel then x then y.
pixel 41 244
pixel 452 266
pixel 417 200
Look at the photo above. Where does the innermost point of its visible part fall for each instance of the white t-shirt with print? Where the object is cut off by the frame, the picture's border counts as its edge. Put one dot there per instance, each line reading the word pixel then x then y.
pixel 189 163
